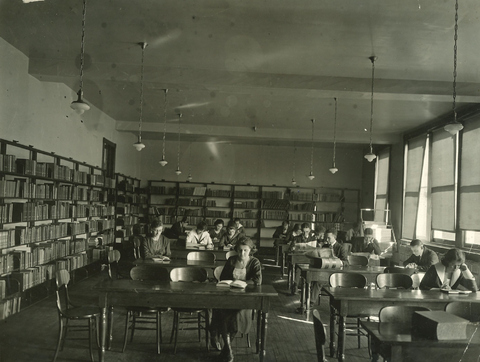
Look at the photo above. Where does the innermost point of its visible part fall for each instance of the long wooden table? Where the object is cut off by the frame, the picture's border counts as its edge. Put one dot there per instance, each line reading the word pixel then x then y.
pixel 294 258
pixel 180 263
pixel 123 293
pixel 396 344
pixel 220 254
pixel 353 301
pixel 309 274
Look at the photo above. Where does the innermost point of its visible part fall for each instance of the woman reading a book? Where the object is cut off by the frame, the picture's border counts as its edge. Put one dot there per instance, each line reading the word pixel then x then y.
pixel 226 322
pixel 449 273
pixel 155 244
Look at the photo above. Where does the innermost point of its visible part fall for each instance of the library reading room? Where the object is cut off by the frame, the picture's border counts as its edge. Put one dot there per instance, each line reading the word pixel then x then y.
pixel 239 180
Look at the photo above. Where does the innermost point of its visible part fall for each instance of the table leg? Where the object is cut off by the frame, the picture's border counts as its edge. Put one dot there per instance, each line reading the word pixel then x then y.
pixel 102 331
pixel 110 328
pixel 308 296
pixel 259 332
pixel 263 343
pixel 289 276
pixel 282 261
pixel 277 256
pixel 302 294
pixel 341 339
pixel 332 332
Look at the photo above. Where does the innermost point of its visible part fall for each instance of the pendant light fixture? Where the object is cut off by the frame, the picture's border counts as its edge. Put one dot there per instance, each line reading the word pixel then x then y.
pixel 139 144
pixel 334 168
pixel 294 182
pixel 178 172
pixel 370 156
pixel 189 177
pixel 163 161
pixel 80 105
pixel 311 176
pixel 454 126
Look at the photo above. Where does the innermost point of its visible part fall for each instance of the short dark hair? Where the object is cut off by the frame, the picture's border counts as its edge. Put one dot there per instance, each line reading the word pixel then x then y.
pixel 453 255
pixel 331 231
pixel 218 221
pixel 416 242
pixel 236 219
pixel 320 229
pixel 306 225
pixel 296 227
pixel 184 219
pixel 248 242
pixel 155 223
pixel 285 222
pixel 202 225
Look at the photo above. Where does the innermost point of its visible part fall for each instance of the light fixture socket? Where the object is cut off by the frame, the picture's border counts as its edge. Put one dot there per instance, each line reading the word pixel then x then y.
pixel 189 176
pixel 178 172
pixel 333 170
pixel 311 176
pixel 453 127
pixel 163 162
pixel 79 105
pixel 294 182
pixel 139 144
pixel 370 156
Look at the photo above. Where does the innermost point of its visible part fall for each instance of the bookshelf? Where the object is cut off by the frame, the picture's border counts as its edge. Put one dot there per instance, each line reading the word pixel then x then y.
pixel 260 208
pixel 53 210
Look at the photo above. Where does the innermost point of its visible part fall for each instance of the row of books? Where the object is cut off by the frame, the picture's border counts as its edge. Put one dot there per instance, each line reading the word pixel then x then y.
pixel 219 193
pixel 249 214
pixel 274 215
pixel 31 234
pixel 10 306
pixel 129 209
pixel 245 204
pixel 301 207
pixel 132 199
pixel 217 213
pixel 190 202
pixel 3 288
pixel 280 195
pixel 245 194
pixel 7 238
pixel 7 163
pixel 33 276
pixel 300 217
pixel 192 191
pixel 162 190
pixel 127 220
pixel 330 217
pixel 6 264
pixel 276 204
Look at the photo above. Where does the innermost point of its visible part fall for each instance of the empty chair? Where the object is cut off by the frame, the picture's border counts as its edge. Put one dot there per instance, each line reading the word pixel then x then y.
pixel 417 279
pixel 217 272
pixel 394 280
pixel 467 310
pixel 113 258
pixel 359 260
pixel 348 248
pixel 231 253
pixel 201 256
pixel 189 315
pixel 399 270
pixel 399 314
pixel 320 336
pixel 142 318
pixel 67 311
pixel 351 280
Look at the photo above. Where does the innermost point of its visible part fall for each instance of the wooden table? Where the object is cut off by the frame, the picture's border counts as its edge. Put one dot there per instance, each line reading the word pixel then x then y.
pixel 353 301
pixel 123 293
pixel 396 344
pixel 280 257
pixel 309 274
pixel 180 263
pixel 294 258
pixel 220 254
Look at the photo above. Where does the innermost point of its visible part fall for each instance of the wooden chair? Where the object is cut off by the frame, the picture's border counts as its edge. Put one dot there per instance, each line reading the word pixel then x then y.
pixel 467 310
pixel 348 248
pixel 394 280
pixel 351 280
pixel 201 256
pixel 189 315
pixel 67 311
pixel 217 272
pixel 398 270
pixel 399 314
pixel 231 253
pixel 145 316
pixel 113 258
pixel 320 336
pixel 417 279
pixel 357 260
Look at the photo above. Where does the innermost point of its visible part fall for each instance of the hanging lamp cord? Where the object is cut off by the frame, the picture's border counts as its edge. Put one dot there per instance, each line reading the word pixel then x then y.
pixel 82 47
pixel 335 132
pixel 178 147
pixel 144 45
pixel 294 160
pixel 311 156
pixel 455 37
pixel 164 122
pixel 371 102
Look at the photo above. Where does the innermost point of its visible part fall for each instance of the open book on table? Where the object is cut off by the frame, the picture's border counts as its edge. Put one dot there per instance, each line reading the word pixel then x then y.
pixel 232 284
pixel 455 291
pixel 161 259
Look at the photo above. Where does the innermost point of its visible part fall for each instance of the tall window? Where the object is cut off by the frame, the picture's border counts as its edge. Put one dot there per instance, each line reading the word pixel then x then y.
pixel 108 159
pixel 381 185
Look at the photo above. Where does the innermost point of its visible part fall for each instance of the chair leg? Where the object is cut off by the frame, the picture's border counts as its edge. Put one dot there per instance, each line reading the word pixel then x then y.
pixel 358 332
pixel 248 340
pixel 90 335
pixel 133 325
pixel 207 329
pixel 173 326
pixel 199 326
pixel 159 331
pixel 60 335
pixel 64 337
pixel 176 334
pixel 125 336
pixel 110 328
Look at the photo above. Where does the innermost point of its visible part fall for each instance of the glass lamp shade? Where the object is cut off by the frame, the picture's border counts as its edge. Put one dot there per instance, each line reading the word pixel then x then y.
pixel 79 105
pixel 370 156
pixel 333 169
pixel 178 172
pixel 453 128
pixel 311 176
pixel 293 181
pixel 139 145
pixel 163 162
pixel 189 176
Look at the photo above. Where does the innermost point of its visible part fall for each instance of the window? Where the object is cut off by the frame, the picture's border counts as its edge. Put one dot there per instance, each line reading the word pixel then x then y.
pixel 381 185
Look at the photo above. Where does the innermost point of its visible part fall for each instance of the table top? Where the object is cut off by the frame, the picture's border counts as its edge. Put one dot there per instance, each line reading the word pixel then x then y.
pixel 346 269
pixel 182 253
pixel 178 263
pixel 396 334
pixel 361 294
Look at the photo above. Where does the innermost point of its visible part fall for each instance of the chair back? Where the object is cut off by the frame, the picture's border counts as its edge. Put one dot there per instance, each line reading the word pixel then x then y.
pixel 417 279
pixel 394 280
pixel 231 253
pixel 144 272
pixel 137 246
pixel 320 336
pixel 399 314
pixel 62 278
pixel 348 248
pixel 467 310
pixel 398 270
pixel 201 256
pixel 347 280
pixel 217 272
pixel 113 258
pixel 357 260
pixel 188 274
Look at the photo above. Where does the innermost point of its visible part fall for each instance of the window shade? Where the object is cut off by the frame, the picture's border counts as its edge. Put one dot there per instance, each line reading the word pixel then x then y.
pixel 469 192
pixel 415 154
pixel 381 191
pixel 442 181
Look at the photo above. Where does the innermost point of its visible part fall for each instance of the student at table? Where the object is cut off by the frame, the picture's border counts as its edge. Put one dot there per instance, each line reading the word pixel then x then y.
pixel 231 237
pixel 155 244
pixel 320 234
pixel 282 231
pixel 355 231
pixel 449 273
pixel 217 232
pixel 226 323
pixel 305 238
pixel 200 235
pixel 370 244
pixel 238 226
pixel 337 248
pixel 177 229
pixel 422 258
pixel 296 230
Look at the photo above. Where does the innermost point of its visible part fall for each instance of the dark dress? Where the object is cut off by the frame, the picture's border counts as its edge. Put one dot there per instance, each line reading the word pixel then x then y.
pixel 424 261
pixel 435 278
pixel 153 248
pixel 231 320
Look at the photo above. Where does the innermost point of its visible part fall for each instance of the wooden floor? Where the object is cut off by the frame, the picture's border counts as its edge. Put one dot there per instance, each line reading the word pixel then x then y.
pixel 31 335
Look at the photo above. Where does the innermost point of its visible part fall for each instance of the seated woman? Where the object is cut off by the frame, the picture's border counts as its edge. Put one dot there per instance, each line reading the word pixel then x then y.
pixel 155 244
pixel 200 235
pixel 370 244
pixel 231 237
pixel 449 273
pixel 239 227
pixel 218 231
pixel 226 322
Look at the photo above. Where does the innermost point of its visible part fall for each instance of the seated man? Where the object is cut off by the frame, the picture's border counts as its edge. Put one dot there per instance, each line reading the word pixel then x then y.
pixel 306 238
pixel 320 235
pixel 177 229
pixel 422 258
pixel 231 237
pixel 281 233
pixel 370 244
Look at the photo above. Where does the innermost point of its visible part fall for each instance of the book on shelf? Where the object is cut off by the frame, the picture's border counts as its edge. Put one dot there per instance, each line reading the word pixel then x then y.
pixel 232 284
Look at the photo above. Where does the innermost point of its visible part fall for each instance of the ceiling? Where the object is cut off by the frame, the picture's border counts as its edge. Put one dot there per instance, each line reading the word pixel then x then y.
pixel 251 71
